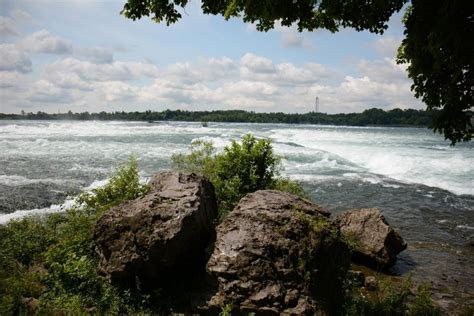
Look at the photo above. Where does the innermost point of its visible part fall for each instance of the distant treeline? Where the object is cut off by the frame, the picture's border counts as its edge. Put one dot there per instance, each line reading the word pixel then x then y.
pixel 395 117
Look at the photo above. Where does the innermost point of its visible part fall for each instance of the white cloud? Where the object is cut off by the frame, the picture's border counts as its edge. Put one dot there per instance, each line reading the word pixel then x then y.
pixel 12 80
pixel 7 26
pixel 117 91
pixel 354 94
pixel 96 55
pixel 47 92
pixel 203 69
pixel 385 70
pixel 256 64
pixel 291 37
pixel 12 59
pixel 252 82
pixel 43 42
pixel 69 80
pixel 21 16
pixel 115 71
pixel 387 46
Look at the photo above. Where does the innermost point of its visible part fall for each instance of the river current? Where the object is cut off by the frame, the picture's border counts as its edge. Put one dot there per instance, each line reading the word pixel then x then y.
pixel 424 187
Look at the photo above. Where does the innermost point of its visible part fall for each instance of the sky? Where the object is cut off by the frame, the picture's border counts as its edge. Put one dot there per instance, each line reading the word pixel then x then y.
pixel 82 55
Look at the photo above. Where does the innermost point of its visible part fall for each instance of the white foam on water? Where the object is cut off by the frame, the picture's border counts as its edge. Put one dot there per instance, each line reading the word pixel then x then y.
pixel 367 178
pixel 397 154
pixel 59 208
pixel 315 178
pixel 45 130
pixel 56 208
pixel 16 180
pixel 388 185
pixel 465 227
pixel 96 184
pixel 405 155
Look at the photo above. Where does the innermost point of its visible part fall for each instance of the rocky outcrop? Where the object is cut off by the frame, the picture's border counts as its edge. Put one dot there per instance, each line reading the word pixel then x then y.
pixel 276 253
pixel 160 235
pixel 375 243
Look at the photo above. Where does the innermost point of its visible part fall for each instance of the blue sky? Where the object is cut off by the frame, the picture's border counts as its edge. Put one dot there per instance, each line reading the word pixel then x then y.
pixel 82 55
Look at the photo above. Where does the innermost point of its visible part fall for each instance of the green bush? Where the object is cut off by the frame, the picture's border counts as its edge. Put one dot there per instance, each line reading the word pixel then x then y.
pixel 200 160
pixel 123 185
pixel 241 168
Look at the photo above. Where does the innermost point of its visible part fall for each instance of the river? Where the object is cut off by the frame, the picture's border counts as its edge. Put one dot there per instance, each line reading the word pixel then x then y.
pixel 424 187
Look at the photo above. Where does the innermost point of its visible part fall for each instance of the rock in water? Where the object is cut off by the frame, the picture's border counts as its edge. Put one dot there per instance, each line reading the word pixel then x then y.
pixel 160 235
pixel 276 253
pixel 376 244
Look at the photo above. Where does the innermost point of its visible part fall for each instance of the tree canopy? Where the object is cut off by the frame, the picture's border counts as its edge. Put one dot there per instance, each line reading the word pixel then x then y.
pixel 437 46
pixel 440 56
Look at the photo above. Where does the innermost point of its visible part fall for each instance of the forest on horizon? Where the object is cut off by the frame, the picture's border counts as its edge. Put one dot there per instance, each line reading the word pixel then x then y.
pixel 374 116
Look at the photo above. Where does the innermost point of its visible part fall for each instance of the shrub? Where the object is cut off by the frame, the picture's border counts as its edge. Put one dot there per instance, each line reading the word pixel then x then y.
pixel 123 185
pixel 200 160
pixel 241 168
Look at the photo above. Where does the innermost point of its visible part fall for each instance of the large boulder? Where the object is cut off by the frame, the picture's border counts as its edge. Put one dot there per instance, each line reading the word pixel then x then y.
pixel 160 235
pixel 375 243
pixel 276 253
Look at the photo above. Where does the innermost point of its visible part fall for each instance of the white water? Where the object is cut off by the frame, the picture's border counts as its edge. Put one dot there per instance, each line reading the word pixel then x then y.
pixel 407 155
pixel 60 153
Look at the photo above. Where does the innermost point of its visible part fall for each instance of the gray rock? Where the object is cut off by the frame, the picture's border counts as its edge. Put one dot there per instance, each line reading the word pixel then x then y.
pixel 277 254
pixel 376 243
pixel 160 235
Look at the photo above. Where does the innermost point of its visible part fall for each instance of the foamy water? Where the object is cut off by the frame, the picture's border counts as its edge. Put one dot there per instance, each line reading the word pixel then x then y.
pixel 58 154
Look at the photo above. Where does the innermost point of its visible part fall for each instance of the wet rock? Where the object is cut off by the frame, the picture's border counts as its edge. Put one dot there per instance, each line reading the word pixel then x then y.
pixel 376 244
pixel 161 235
pixel 276 253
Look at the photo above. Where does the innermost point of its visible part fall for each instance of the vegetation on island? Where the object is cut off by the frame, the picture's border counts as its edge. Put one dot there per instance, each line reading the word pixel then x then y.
pixel 48 264
pixel 395 117
pixel 437 46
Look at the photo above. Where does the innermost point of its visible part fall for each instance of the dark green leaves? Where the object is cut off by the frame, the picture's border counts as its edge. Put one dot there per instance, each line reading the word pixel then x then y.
pixel 439 52
pixel 307 14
